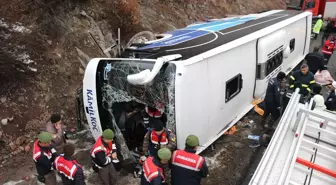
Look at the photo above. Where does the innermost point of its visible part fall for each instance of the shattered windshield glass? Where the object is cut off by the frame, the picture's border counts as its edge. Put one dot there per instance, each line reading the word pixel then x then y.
pixel 161 91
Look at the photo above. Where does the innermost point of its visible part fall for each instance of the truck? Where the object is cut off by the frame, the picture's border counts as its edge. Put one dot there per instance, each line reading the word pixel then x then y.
pixel 302 149
pixel 203 77
pixel 326 8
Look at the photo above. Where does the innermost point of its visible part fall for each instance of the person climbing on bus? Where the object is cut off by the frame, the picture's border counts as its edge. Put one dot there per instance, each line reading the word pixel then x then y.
pixel 153 168
pixel 305 77
pixel 187 167
pixel 331 100
pixel 328 48
pixel 317 27
pixel 103 153
pixel 70 170
pixel 272 99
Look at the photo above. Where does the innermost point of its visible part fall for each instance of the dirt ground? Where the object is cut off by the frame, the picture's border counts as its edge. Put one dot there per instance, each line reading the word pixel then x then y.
pixel 40 72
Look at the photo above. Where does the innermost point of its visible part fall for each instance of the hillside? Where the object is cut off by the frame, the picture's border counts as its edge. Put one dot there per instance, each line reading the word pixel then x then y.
pixel 39 68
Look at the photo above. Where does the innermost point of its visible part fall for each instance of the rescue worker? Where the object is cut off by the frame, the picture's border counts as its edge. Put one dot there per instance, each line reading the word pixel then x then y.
pixel 329 29
pixel 44 155
pixel 157 138
pixel 69 169
pixel 103 153
pixel 152 113
pixel 331 100
pixel 315 60
pixel 305 77
pixel 328 48
pixel 55 128
pixel 317 27
pixel 153 168
pixel 188 168
pixel 272 98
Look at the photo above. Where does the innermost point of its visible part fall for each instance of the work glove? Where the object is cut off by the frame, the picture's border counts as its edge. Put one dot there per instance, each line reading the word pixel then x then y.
pixel 142 159
pixel 278 108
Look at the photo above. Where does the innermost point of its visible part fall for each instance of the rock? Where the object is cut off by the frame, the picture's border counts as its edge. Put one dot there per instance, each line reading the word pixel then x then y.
pixel 81 71
pixel 49 42
pixel 27 148
pixel 4 121
pixel 3 99
pixel 12 146
pixel 1 134
pixel 5 157
pixel 22 149
pixel 62 112
pixel 11 119
pixel 21 99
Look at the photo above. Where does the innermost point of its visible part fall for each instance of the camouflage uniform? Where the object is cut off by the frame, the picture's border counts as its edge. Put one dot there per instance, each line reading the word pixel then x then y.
pixel 148 146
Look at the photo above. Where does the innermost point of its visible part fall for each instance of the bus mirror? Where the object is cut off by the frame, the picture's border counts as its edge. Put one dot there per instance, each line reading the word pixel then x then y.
pixel 146 76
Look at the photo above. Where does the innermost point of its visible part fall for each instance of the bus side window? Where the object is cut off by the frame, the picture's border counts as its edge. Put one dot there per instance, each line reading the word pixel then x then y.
pixel 233 87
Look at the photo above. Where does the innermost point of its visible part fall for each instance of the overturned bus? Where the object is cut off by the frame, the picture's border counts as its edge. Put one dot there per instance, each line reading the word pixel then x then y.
pixel 203 77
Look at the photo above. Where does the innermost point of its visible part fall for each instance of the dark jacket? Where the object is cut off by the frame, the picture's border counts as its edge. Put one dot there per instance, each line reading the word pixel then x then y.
pixel 78 177
pixel 273 92
pixel 43 164
pixel 307 81
pixel 331 101
pixel 156 181
pixel 315 61
pixel 186 176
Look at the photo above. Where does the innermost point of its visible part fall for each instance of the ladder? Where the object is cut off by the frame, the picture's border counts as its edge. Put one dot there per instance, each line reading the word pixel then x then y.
pixel 302 150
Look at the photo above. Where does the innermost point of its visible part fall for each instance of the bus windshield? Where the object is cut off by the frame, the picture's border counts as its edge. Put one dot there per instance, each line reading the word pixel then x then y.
pixel 124 103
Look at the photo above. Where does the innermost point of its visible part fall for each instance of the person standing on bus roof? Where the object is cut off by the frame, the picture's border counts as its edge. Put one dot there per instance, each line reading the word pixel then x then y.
pixel 305 77
pixel 317 27
pixel 103 153
pixel 272 98
pixel 188 168
pixel 153 168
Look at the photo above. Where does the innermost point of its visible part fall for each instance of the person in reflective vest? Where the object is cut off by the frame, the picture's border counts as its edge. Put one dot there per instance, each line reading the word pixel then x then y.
pixel 305 77
pixel 317 27
pixel 157 138
pixel 187 167
pixel 153 168
pixel 103 153
pixel 151 114
pixel 43 156
pixel 328 48
pixel 69 169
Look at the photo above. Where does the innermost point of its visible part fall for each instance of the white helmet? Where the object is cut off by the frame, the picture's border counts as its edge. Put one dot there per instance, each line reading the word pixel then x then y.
pixel 319 16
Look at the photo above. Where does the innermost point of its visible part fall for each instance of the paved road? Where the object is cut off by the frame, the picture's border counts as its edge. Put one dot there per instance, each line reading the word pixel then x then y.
pixel 332 70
